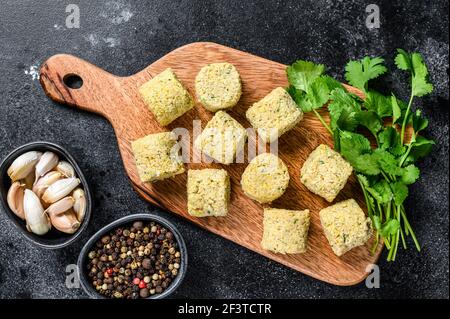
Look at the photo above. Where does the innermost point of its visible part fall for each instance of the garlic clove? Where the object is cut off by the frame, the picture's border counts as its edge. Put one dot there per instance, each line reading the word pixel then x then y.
pixel 79 206
pixel 46 163
pixel 60 189
pixel 37 220
pixel 14 199
pixel 65 222
pixel 66 169
pixel 23 165
pixel 29 180
pixel 42 183
pixel 60 206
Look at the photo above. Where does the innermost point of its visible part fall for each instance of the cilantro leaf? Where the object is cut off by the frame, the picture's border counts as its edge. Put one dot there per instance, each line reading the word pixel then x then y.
pixel 419 123
pixel 370 120
pixel 390 227
pixel 317 95
pixel 403 60
pixel 413 62
pixel 358 73
pixel 400 191
pixel 387 162
pixel 396 110
pixel 378 103
pixel 353 145
pixel 337 140
pixel 389 140
pixel 356 149
pixel 331 82
pixel 410 174
pixel 302 73
pixel 366 164
pixel 343 110
pixel 381 191
pixel 421 147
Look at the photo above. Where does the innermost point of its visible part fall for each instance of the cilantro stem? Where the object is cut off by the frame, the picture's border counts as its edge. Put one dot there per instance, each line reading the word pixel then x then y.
pixel 408 226
pixel 385 177
pixel 387 243
pixel 388 210
pixel 405 156
pixel 399 231
pixel 402 136
pixel 391 249
pixel 369 207
pixel 395 248
pixel 323 121
pixel 375 244
pixel 381 211
pixel 403 238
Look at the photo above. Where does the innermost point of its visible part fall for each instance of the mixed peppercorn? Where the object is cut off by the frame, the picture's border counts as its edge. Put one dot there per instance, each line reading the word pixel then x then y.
pixel 135 261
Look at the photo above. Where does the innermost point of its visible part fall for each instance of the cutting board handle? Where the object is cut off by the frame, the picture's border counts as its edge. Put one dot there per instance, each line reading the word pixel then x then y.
pixel 57 76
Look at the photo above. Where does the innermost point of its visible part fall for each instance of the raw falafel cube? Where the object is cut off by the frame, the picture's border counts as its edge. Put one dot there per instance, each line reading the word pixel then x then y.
pixel 157 156
pixel 166 97
pixel 274 115
pixel 208 192
pixel 285 231
pixel 325 172
pixel 345 226
pixel 222 138
pixel 218 86
pixel 265 178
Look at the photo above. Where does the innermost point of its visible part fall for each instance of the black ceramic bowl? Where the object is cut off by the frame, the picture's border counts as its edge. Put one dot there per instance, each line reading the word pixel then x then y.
pixel 53 239
pixel 127 220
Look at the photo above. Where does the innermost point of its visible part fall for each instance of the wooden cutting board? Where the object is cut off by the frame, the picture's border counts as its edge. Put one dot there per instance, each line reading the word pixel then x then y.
pixel 117 99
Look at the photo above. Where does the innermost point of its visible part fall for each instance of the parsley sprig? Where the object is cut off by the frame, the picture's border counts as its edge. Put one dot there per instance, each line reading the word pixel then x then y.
pixel 385 171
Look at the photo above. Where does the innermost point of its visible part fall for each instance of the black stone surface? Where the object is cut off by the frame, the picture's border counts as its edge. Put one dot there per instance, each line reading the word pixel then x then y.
pixel 125 36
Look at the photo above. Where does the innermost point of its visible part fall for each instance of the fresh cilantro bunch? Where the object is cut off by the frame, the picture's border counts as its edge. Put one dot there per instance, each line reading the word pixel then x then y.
pixel 386 170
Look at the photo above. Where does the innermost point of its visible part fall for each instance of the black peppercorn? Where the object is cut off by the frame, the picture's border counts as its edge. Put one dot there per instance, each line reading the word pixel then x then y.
pixel 106 240
pixel 146 263
pixel 138 225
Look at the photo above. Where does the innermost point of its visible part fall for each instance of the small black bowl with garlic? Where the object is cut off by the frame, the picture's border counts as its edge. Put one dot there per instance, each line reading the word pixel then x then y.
pixel 45 194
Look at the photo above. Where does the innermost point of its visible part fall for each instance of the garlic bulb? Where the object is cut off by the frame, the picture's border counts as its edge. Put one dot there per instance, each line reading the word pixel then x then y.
pixel 46 163
pixel 60 189
pixel 66 169
pixel 65 222
pixel 41 185
pixel 37 220
pixel 15 199
pixel 79 206
pixel 23 165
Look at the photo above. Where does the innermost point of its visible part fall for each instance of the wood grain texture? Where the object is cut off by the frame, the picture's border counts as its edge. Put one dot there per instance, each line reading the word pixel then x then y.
pixel 118 100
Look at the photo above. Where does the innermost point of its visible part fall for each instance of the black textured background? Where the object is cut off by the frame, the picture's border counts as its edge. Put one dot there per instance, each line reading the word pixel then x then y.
pixel 125 36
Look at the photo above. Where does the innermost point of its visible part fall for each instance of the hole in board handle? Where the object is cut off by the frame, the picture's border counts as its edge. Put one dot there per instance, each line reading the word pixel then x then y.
pixel 73 81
